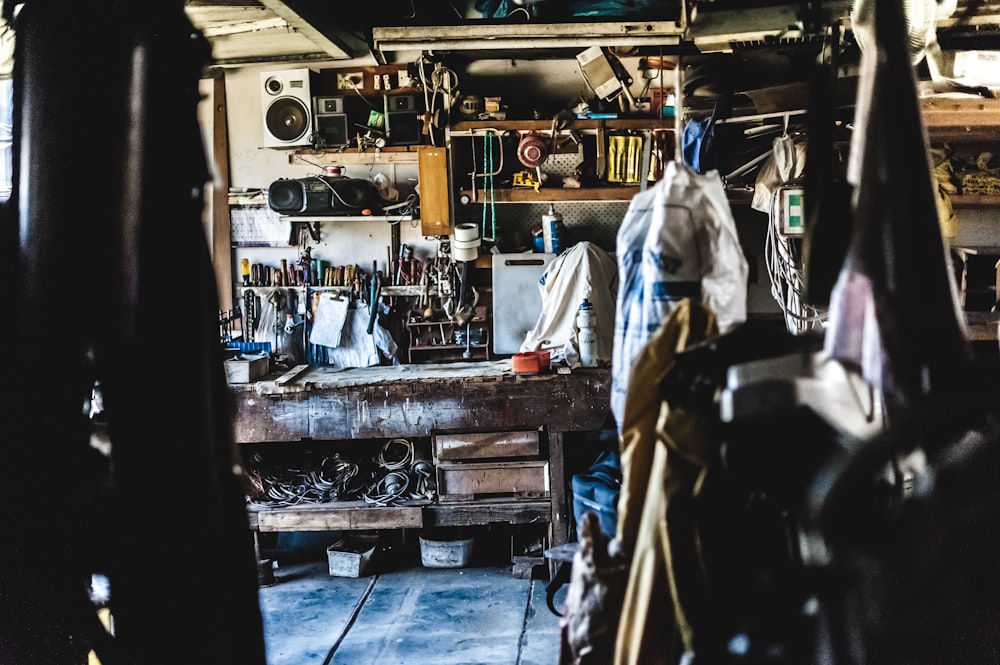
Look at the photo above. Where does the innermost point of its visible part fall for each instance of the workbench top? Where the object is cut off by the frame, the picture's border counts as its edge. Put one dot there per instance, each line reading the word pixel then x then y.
pixel 418 400
pixel 326 377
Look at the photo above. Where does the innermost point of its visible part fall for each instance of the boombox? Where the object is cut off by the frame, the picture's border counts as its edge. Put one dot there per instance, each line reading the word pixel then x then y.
pixel 324 195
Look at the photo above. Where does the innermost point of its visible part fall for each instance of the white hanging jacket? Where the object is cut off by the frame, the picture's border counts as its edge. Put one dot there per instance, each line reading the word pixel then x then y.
pixel 678 240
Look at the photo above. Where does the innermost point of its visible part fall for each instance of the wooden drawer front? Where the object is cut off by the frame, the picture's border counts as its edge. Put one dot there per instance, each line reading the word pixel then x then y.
pixel 335 516
pixel 481 480
pixel 484 445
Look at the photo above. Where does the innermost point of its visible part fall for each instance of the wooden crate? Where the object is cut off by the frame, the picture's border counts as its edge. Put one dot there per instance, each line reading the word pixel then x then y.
pixel 470 481
pixel 245 370
pixel 485 445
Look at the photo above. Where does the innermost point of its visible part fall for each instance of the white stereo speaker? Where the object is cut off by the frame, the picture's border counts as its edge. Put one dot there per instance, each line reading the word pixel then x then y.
pixel 286 107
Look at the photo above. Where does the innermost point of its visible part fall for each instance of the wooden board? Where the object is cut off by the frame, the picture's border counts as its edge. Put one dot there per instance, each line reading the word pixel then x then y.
pixel 340 516
pixel 485 445
pixel 471 481
pixel 499 511
pixel 435 211
pixel 291 375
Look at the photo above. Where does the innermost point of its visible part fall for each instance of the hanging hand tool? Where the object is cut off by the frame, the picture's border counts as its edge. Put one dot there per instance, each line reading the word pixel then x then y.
pixel 373 304
pixel 250 305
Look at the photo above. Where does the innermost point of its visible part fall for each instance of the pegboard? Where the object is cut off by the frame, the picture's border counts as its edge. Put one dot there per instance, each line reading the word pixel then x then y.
pixel 595 221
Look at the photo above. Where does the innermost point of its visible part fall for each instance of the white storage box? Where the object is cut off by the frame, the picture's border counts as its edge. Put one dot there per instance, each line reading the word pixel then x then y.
pixel 351 556
pixel 437 551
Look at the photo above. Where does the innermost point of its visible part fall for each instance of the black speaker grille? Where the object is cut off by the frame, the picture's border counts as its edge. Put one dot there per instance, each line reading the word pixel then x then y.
pixel 287 119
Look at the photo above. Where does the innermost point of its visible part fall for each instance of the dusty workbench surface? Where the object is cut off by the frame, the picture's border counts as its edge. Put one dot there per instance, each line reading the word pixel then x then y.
pixel 325 377
pixel 417 400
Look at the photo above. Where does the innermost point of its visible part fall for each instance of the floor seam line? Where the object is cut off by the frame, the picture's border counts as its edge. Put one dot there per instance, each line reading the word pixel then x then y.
pixel 524 622
pixel 350 621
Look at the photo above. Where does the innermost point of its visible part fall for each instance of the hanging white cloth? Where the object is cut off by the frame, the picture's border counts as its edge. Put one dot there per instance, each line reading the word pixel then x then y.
pixel 678 240
pixel 786 162
pixel 357 348
pixel 583 271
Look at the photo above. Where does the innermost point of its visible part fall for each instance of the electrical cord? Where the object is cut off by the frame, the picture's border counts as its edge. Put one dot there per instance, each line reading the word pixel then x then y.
pixel 405 477
pixel 329 478
pixel 787 276
pixel 357 90
pixel 440 75
pixel 398 477
pixel 396 454
pixel 389 489
pixel 334 192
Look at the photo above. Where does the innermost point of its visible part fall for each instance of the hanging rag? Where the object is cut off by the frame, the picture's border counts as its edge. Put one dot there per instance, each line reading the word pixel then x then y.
pixel 593 600
pixel 677 240
pixel 357 348
pixel 583 271
pixel 786 162
pixel 331 314
pixel 894 310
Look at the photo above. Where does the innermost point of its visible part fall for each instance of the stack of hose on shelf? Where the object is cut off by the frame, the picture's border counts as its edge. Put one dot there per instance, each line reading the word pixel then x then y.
pixel 394 476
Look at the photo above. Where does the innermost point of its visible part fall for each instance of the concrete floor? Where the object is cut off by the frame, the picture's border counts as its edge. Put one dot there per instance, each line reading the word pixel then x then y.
pixel 404 613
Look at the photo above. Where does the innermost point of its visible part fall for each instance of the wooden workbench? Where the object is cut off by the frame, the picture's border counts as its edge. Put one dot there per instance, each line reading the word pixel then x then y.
pixel 323 403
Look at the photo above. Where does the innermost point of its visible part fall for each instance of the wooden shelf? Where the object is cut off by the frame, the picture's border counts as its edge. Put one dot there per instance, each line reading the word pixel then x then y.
pixel 404 154
pixel 335 516
pixel 348 515
pixel 961 118
pixel 346 218
pixel 547 194
pixel 982 326
pixel 610 193
pixel 975 201
pixel 436 324
pixel 467 127
pixel 439 339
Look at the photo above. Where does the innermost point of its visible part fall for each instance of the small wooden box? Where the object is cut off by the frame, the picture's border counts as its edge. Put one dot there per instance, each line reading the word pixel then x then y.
pixel 480 480
pixel 246 369
pixel 485 445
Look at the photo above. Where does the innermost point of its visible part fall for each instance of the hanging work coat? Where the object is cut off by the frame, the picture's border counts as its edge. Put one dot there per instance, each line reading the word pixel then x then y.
pixel 664 454
pixel 677 240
